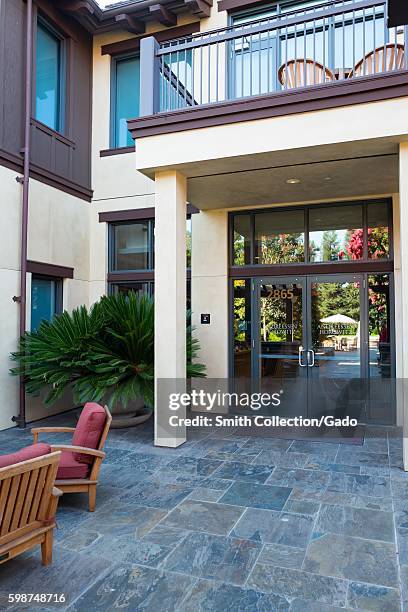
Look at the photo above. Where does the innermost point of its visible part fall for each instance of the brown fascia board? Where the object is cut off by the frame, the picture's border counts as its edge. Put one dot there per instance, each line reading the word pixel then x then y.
pixel 96 20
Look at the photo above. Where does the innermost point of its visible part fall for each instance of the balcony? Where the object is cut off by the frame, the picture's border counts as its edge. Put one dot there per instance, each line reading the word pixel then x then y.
pixel 334 53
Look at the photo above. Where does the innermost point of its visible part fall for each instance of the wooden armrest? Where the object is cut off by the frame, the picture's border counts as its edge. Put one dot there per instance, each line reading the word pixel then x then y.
pixel 78 449
pixel 36 430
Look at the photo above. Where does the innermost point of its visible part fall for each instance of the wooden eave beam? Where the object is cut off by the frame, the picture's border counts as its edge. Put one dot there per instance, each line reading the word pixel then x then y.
pixel 131 24
pixel 201 8
pixel 161 14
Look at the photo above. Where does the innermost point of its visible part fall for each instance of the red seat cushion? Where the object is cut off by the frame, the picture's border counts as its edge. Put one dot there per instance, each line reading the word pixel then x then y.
pixel 24 454
pixel 89 430
pixel 69 467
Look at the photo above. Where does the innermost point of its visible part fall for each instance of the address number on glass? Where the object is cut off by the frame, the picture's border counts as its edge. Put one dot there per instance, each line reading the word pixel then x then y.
pixel 283 294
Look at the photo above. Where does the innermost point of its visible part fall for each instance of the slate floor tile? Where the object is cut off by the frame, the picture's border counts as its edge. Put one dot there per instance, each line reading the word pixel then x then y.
pixel 292 583
pixel 352 558
pixel 158 495
pixel 273 444
pixel 374 486
pixel 192 466
pixel 302 506
pixel 274 527
pixel 322 449
pixel 166 536
pixel 214 557
pixel 234 470
pixel 316 463
pixel 282 556
pixel 123 518
pixel 210 517
pixel 253 495
pixel 205 494
pixel 371 597
pixel 70 574
pixel 128 549
pixel 215 596
pixel 313 480
pixel 237 456
pixel 358 522
pixel 362 458
pixel 281 459
pixel 299 605
pixel 135 588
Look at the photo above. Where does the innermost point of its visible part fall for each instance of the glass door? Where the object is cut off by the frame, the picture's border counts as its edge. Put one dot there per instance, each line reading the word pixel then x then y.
pixel 279 356
pixel 337 346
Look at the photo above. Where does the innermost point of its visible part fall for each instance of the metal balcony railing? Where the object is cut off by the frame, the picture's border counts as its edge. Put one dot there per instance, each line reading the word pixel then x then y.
pixel 332 41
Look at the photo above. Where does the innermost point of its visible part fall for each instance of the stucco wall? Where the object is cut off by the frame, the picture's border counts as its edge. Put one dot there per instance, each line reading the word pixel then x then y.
pixel 58 234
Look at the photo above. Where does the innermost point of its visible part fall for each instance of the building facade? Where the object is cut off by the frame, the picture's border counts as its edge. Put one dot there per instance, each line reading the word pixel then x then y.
pixel 268 140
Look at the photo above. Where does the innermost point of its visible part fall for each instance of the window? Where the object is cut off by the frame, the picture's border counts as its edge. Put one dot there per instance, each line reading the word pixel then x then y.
pixel 125 98
pixel 132 246
pixel 131 255
pixel 46 299
pixel 312 234
pixel 49 80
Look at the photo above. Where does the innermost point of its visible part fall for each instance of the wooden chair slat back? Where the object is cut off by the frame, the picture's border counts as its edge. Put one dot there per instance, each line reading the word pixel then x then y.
pixel 383 59
pixel 25 492
pixel 303 73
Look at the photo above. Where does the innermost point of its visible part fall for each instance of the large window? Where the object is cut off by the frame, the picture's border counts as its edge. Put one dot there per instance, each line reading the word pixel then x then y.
pixel 46 299
pixel 333 233
pixel 125 98
pixel 49 78
pixel 131 255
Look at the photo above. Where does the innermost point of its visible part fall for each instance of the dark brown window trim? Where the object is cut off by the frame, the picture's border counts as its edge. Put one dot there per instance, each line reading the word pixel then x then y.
pixel 13 162
pixel 135 277
pixel 117 151
pixel 118 277
pixel 45 269
pixel 131 45
pixel 319 97
pixel 133 214
pixel 342 267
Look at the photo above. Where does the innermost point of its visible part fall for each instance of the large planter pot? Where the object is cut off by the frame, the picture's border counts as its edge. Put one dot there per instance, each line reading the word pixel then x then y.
pixel 134 414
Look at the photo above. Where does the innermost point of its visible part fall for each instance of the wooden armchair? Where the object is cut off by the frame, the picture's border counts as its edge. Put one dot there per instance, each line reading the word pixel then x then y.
pixel 28 504
pixel 81 461
pixel 386 58
pixel 303 73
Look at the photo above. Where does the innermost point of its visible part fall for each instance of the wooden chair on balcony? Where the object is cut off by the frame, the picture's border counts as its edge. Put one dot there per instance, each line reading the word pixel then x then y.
pixel 81 461
pixel 28 501
pixel 303 73
pixel 386 58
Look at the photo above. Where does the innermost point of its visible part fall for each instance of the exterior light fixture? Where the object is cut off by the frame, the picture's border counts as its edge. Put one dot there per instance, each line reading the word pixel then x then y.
pixel 292 181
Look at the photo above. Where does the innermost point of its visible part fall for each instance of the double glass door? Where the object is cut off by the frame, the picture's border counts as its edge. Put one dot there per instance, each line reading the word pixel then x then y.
pixel 311 344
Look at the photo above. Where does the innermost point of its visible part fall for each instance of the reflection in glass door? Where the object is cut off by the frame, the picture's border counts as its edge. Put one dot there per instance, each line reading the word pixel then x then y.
pixel 336 346
pixel 281 358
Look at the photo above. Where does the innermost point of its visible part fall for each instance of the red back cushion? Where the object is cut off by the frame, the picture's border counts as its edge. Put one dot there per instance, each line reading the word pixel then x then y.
pixel 89 430
pixel 24 454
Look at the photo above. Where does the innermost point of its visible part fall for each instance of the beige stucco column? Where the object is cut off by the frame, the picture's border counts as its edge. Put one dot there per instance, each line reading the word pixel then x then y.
pixel 403 225
pixel 170 301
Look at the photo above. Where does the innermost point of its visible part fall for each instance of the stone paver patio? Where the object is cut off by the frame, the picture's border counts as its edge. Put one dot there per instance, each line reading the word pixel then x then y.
pixel 226 523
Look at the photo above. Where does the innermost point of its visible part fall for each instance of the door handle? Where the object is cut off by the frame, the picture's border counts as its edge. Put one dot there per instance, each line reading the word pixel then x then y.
pixel 310 362
pixel 301 351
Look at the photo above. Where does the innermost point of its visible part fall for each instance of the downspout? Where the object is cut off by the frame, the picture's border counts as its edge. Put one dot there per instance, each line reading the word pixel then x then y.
pixel 21 419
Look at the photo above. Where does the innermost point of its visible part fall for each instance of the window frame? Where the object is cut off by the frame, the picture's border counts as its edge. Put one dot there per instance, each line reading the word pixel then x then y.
pixel 45 24
pixel 150 246
pixel 59 293
pixel 115 59
pixel 306 208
